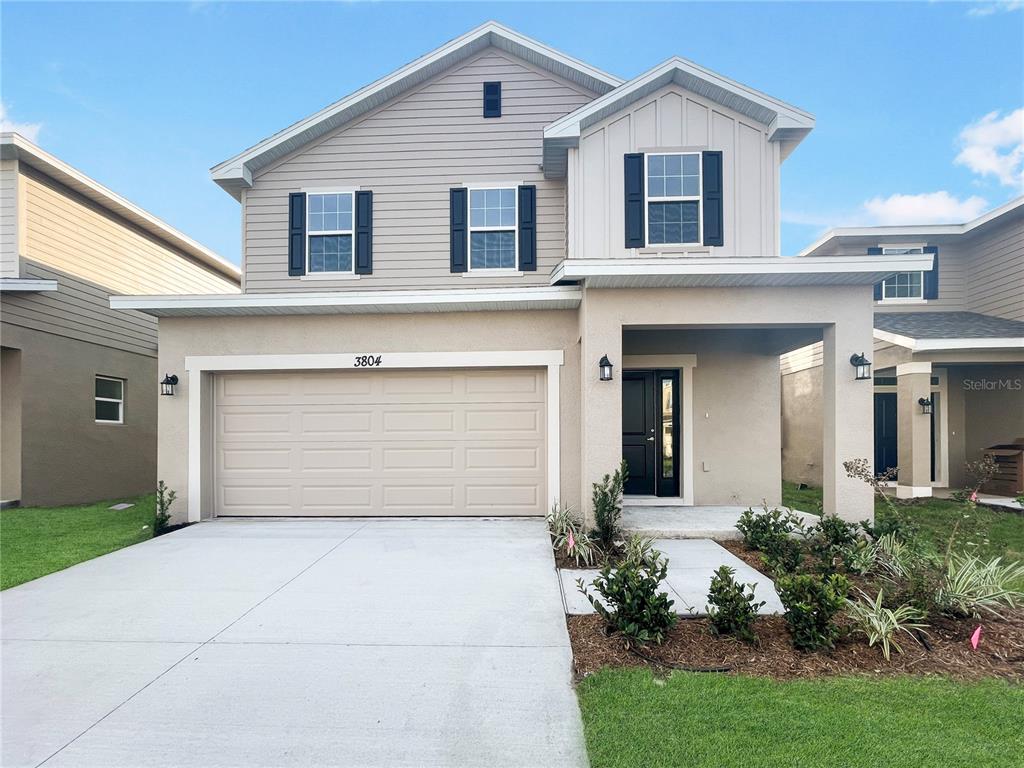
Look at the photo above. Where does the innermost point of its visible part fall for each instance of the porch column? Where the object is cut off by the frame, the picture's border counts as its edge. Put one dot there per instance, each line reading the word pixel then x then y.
pixel 913 430
pixel 601 401
pixel 847 417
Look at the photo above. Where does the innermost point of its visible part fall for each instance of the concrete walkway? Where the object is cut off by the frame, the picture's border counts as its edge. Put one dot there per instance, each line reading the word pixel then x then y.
pixel 691 564
pixel 662 521
pixel 296 643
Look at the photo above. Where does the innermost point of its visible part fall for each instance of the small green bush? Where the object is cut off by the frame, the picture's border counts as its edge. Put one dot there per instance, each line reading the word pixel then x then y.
pixel 731 606
pixel 831 541
pixel 164 499
pixel 607 500
pixel 638 609
pixel 763 529
pixel 811 603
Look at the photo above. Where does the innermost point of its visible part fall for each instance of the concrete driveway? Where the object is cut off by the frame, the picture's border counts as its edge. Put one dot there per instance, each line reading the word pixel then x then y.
pixel 306 643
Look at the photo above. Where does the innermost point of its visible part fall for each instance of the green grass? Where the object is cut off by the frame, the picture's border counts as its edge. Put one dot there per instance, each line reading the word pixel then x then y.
pixel 35 541
pixel 632 719
pixel 994 532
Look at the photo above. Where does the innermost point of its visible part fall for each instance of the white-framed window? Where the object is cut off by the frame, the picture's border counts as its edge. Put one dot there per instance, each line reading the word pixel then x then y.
pixel 493 234
pixel 903 285
pixel 109 395
pixel 673 198
pixel 329 217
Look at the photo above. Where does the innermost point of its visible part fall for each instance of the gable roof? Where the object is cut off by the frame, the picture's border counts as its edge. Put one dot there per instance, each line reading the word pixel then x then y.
pixel 236 173
pixel 934 233
pixel 786 124
pixel 16 146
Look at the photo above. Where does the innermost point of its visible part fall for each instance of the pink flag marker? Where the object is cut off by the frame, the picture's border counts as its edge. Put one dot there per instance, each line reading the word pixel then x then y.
pixel 572 543
pixel 974 496
pixel 976 637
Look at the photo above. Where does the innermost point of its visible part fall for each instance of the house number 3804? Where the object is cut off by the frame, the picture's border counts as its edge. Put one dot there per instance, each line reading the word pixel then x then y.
pixel 367 361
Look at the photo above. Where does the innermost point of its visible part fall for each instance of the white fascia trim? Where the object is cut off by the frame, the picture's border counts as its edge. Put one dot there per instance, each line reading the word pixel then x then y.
pixel 787 117
pixel 26 285
pixel 464 296
pixel 905 369
pixel 198 366
pixel 939 345
pixel 238 170
pixel 16 145
pixel 921 230
pixel 578 269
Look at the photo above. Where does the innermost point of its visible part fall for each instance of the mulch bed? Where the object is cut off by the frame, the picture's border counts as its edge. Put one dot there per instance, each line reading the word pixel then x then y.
pixel 690 645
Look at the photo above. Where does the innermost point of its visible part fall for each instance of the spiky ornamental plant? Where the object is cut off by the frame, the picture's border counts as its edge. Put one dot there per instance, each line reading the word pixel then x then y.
pixel 880 624
pixel 971 586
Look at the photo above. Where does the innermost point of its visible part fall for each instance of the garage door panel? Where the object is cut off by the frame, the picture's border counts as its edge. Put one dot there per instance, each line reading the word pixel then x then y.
pixel 383 442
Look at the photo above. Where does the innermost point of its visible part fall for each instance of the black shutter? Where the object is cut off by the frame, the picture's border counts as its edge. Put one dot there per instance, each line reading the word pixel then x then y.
pixel 878 286
pixel 528 228
pixel 633 177
pixel 492 99
pixel 364 233
pixel 297 233
pixel 714 224
pixel 459 226
pixel 931 278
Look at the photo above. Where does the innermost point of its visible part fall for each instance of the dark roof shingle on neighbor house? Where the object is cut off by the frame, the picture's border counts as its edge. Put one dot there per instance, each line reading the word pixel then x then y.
pixel 948 325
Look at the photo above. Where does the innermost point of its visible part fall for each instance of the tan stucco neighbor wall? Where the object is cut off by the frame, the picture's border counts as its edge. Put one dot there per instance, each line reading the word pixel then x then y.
pixel 801 427
pixel 66 457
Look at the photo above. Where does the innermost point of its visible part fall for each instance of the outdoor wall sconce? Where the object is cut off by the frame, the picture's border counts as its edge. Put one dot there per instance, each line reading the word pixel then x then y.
pixel 863 366
pixel 926 404
pixel 605 366
pixel 168 384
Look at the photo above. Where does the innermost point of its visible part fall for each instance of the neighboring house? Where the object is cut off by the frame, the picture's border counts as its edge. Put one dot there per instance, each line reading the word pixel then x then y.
pixel 951 336
pixel 80 381
pixel 436 267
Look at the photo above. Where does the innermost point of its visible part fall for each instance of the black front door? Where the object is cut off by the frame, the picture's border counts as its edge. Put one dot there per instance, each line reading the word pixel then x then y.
pixel 650 432
pixel 885 432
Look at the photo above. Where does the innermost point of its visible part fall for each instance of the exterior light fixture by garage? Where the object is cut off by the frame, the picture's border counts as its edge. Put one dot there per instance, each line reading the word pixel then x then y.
pixel 863 366
pixel 168 384
pixel 605 366
pixel 926 404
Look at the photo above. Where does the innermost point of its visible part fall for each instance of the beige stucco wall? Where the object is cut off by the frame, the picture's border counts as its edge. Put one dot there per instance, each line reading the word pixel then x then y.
pixel 801 427
pixel 440 333
pixel 10 424
pixel 66 456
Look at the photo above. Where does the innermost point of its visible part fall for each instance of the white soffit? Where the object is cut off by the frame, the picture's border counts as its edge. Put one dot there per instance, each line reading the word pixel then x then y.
pixel 354 302
pixel 941 345
pixel 236 174
pixel 26 285
pixel 697 272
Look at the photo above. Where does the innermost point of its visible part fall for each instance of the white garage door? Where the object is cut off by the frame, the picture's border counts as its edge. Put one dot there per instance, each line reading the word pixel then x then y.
pixel 382 442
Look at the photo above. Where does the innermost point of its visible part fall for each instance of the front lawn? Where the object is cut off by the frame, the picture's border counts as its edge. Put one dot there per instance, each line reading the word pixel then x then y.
pixel 35 541
pixel 633 719
pixel 995 532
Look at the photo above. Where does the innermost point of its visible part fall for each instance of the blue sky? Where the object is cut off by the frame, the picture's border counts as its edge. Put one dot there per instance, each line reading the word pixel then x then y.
pixel 919 105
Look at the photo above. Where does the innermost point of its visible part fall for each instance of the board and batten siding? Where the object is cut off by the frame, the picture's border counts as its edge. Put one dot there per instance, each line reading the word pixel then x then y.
pixel 996 285
pixel 93 254
pixel 673 119
pixel 8 218
pixel 409 152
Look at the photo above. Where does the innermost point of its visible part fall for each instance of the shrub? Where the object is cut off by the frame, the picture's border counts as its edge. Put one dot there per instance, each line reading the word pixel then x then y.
pixel 811 603
pixel 164 499
pixel 880 624
pixel 567 535
pixel 763 529
pixel 637 608
pixel 831 540
pixel 970 585
pixel 783 555
pixel 731 606
pixel 607 499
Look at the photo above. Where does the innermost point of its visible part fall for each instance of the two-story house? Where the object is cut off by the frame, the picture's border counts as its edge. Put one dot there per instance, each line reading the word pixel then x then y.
pixel 948 352
pixel 78 381
pixel 473 286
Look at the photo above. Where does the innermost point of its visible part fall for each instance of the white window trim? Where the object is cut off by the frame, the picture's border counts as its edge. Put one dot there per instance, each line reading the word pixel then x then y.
pixel 698 198
pixel 350 232
pixel 470 229
pixel 903 299
pixel 120 402
pixel 894 300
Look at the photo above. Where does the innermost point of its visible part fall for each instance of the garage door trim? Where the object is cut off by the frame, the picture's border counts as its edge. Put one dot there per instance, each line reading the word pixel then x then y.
pixel 200 368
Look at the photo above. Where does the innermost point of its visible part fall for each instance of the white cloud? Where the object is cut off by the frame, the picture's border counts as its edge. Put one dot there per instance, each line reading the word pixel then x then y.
pixel 925 208
pixel 1000 6
pixel 994 146
pixel 29 130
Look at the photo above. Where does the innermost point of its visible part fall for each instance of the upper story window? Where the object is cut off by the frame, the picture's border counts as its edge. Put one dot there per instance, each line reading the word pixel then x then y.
pixel 109 397
pixel 673 199
pixel 492 228
pixel 329 231
pixel 903 285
